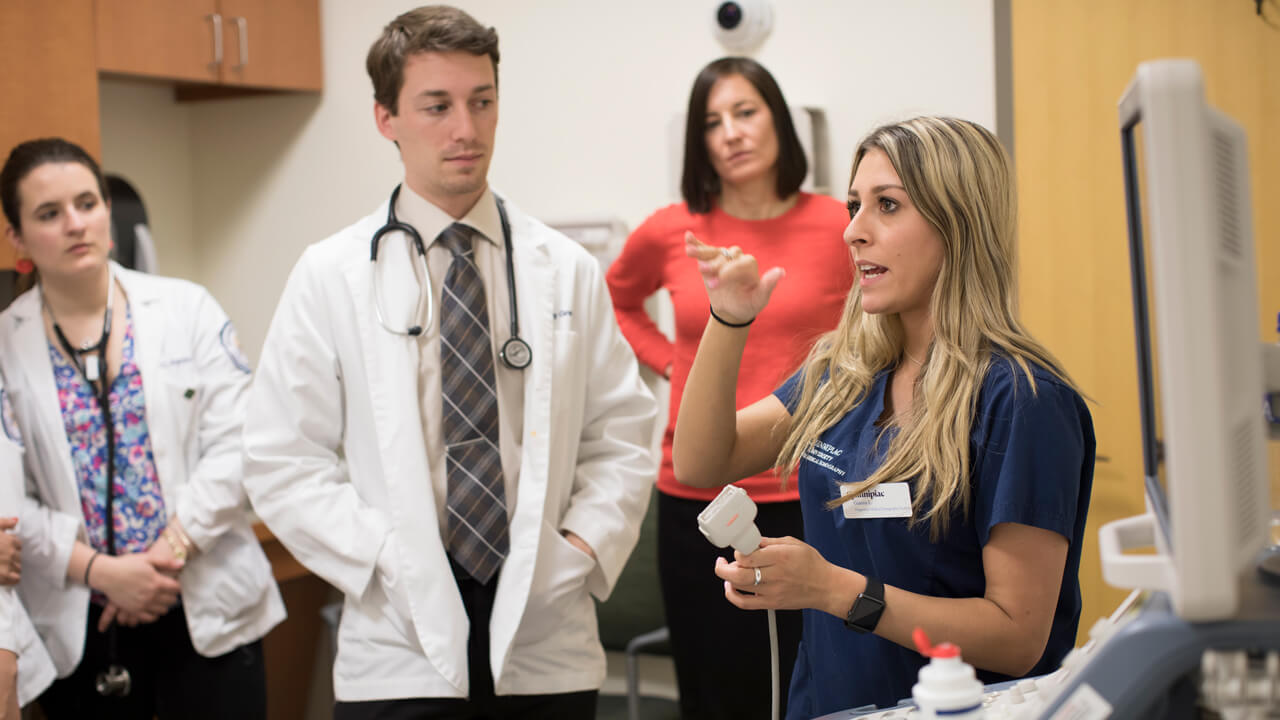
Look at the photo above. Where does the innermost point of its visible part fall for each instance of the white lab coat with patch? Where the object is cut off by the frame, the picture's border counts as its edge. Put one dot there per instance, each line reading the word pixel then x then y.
pixel 194 380
pixel 17 634
pixel 336 466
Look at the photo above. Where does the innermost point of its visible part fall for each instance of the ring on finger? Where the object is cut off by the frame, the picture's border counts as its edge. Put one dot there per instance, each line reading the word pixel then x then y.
pixel 757 582
pixel 727 253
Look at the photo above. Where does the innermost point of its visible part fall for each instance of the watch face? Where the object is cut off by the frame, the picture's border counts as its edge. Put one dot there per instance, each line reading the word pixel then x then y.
pixel 866 610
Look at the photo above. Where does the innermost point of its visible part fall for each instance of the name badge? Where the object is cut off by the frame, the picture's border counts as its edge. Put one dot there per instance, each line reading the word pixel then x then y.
pixel 886 500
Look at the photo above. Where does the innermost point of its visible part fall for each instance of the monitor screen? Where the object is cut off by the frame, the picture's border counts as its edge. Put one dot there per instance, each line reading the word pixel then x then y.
pixel 1194 282
pixel 1144 308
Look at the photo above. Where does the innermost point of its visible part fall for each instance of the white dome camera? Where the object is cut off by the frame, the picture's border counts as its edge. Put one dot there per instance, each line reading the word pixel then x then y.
pixel 741 25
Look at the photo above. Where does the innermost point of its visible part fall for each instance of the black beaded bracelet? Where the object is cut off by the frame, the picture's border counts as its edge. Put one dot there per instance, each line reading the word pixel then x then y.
pixel 722 321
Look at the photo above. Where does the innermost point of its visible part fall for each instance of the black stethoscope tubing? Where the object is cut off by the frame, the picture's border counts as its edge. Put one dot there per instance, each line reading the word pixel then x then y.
pixel 515 352
pixel 103 392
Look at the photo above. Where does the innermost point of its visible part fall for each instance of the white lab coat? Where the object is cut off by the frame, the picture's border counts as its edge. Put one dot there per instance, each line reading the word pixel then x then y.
pixel 194 380
pixel 17 634
pixel 336 466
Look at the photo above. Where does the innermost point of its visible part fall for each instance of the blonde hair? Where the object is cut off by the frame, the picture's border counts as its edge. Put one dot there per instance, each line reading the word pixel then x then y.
pixel 959 178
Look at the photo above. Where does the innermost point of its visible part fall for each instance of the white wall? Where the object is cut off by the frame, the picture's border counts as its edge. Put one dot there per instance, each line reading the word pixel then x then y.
pixel 146 139
pixel 588 88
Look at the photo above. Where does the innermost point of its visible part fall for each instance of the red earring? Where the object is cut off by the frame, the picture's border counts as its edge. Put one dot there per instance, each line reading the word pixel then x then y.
pixel 24 266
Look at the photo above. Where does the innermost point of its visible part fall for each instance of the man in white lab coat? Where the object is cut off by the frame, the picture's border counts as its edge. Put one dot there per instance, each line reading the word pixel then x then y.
pixel 346 454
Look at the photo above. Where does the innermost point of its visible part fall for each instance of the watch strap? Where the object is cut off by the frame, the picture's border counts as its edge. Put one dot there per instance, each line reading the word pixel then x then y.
pixel 867 609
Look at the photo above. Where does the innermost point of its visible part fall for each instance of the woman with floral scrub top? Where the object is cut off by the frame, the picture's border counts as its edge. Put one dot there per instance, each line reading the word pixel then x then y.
pixel 128 390
pixel 944 456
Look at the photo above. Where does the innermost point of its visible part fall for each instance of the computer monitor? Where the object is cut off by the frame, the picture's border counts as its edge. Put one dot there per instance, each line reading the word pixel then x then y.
pixel 1186 179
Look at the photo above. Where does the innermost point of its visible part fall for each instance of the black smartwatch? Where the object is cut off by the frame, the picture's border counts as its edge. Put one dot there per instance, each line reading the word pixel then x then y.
pixel 867 609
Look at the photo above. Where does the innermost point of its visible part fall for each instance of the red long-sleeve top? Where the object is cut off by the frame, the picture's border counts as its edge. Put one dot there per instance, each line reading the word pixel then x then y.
pixel 806 241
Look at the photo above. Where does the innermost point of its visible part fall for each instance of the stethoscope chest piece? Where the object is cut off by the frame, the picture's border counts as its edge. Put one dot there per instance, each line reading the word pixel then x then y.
pixel 114 682
pixel 516 353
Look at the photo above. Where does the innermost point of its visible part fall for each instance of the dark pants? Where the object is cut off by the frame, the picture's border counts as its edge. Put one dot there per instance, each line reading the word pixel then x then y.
pixel 170 679
pixel 482 704
pixel 721 653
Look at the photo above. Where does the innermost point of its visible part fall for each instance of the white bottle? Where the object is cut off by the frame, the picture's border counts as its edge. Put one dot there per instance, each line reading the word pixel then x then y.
pixel 947 684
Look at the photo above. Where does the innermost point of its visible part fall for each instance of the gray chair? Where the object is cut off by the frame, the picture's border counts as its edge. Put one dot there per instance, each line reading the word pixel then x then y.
pixel 633 622
pixel 659 640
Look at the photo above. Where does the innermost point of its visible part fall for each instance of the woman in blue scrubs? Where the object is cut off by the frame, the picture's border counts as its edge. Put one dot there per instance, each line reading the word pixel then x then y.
pixel 945 458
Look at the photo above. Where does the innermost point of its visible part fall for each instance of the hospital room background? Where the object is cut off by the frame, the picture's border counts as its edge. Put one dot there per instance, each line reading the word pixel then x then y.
pixel 236 183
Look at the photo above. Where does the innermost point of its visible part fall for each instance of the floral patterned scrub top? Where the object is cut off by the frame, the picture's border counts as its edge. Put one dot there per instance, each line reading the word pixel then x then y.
pixel 138 509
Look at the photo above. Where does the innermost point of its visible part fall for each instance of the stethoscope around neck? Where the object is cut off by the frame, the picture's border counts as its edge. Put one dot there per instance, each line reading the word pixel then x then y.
pixel 91 361
pixel 515 352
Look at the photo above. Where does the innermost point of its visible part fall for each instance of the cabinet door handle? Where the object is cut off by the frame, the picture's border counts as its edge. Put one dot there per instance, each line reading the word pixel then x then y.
pixel 242 30
pixel 216 19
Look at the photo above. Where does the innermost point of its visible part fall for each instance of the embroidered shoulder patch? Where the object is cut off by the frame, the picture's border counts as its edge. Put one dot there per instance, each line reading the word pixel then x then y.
pixel 231 343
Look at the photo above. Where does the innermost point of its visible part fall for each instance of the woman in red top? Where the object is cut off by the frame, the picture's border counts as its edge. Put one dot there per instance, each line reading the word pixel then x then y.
pixel 743 166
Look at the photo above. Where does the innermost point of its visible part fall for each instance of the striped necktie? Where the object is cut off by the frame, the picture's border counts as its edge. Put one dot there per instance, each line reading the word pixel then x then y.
pixel 477 533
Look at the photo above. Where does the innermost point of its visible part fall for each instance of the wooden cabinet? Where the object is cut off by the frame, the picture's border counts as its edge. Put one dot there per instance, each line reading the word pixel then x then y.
pixel 271 44
pixel 172 39
pixel 52 53
pixel 290 648
pixel 48 85
pixel 260 44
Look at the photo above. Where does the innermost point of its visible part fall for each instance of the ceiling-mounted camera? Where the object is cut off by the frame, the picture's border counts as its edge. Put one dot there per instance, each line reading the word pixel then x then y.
pixel 741 25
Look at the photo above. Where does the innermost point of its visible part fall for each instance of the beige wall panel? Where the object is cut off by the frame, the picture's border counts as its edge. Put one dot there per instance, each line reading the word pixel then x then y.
pixel 1071 62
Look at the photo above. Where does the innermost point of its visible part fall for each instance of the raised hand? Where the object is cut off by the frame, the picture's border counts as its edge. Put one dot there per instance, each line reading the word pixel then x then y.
pixel 736 288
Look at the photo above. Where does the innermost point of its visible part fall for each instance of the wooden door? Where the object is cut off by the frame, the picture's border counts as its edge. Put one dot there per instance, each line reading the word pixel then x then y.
pixel 1071 62
pixel 49 86
pixel 172 39
pixel 272 44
